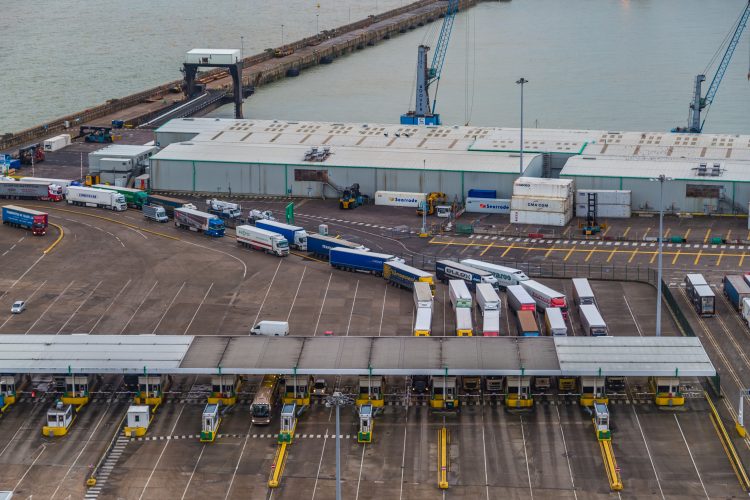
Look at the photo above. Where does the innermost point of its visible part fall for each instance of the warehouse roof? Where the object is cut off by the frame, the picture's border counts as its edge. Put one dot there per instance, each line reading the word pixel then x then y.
pixel 642 168
pixel 196 125
pixel 343 156
pixel 123 150
pixel 354 355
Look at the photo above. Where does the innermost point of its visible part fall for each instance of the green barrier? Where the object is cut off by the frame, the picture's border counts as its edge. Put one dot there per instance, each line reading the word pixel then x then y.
pixel 464 229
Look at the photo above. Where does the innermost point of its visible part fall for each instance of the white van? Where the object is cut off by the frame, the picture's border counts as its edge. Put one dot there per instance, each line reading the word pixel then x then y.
pixel 271 328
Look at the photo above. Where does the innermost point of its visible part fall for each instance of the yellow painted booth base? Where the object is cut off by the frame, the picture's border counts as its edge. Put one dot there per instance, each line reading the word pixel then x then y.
pixel 224 401
pixel 135 431
pixel 300 401
pixel 589 400
pixel 78 401
pixel 666 400
pixel 55 431
pixel 155 401
pixel 377 403
pixel 440 404
pixel 9 399
pixel 512 401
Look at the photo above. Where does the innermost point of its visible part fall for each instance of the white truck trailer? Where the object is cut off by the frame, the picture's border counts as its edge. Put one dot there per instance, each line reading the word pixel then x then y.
pixel 489 304
pixel 592 322
pixel 422 295
pixel 423 322
pixel 506 276
pixel 262 239
pixel 462 304
pixel 94 197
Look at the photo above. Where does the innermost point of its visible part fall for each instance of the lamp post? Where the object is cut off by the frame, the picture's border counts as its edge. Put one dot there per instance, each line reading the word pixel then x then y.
pixel 661 179
pixel 317 26
pixel 337 400
pixel 521 81
pixel 242 47
pixel 282 34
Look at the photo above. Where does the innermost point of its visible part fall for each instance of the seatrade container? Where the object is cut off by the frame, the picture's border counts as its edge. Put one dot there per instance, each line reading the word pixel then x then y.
pixel 540 204
pixel 535 186
pixel 487 206
pixel 540 218
pixel 399 199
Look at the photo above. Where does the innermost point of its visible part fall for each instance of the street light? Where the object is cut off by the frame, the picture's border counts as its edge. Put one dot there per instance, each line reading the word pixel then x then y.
pixel 317 29
pixel 282 34
pixel 242 47
pixel 661 180
pixel 338 399
pixel 521 81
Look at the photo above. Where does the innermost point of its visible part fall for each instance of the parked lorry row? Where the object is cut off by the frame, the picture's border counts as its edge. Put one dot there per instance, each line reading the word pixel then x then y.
pixel 26 218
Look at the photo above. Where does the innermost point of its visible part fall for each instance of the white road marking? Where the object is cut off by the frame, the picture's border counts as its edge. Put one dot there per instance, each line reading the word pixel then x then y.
pixel 244 266
pixel 526 456
pixel 403 451
pixel 239 459
pixel 320 313
pixel 691 456
pixel 49 307
pixel 382 311
pixel 161 454
pixel 648 451
pixel 444 333
pixel 266 295
pixel 296 293
pixel 484 453
pixel 79 307
pixel 320 463
pixel 640 333
pixel 351 313
pixel 361 465
pixel 190 480
pixel 168 308
pixel 44 447
pixel 5 253
pixel 145 297
pixel 22 238
pixel 12 247
pixel 24 274
pixel 198 309
pixel 111 303
pixel 567 456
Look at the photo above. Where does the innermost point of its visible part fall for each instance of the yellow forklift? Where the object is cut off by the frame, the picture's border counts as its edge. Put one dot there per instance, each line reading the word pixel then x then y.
pixel 433 200
pixel 350 197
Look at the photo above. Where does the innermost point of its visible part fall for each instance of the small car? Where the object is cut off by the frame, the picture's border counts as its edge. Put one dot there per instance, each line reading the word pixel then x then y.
pixel 320 387
pixel 18 307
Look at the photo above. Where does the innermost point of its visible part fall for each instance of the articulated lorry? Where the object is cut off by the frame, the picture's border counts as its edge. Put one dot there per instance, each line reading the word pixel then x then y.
pixel 31 190
pixel 448 270
pixel 488 302
pixel 546 297
pixel 462 305
pixel 26 218
pixel 261 239
pixel 169 204
pixel 295 235
pixel 736 289
pixel 93 197
pixel 194 220
pixel 519 299
pixel 404 276
pixel 320 245
pixel 422 295
pixel 423 322
pixel 135 198
pixel 506 276
pixel 359 260
pixel 592 322
pixel 223 209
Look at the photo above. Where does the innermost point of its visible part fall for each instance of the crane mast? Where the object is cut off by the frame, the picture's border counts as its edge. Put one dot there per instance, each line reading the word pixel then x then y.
pixel 424 112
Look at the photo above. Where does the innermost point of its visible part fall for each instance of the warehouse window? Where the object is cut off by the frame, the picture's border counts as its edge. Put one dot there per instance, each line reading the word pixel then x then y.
pixel 304 175
pixel 703 191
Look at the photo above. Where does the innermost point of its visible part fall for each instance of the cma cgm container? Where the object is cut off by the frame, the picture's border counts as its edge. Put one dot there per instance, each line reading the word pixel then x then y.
pixel 506 276
pixel 545 296
pixel 399 274
pixel 519 299
pixel 320 245
pixel 399 199
pixel 26 218
pixel 540 204
pixel 487 206
pixel 736 289
pixel 358 260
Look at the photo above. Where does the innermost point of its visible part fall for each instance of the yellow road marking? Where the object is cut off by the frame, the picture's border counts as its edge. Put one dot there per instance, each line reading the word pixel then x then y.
pixel 666 233
pixel 742 259
pixel 570 252
pixel 485 250
pixel 59 238
pixel 512 245
pixel 607 230
pixel 589 255
pixel 612 254
pixel 627 230
pixel 549 252
pixel 708 233
pixel 676 256
pixel 697 257
pixel 632 256
pixel 718 261
pixel 647 231
pixel 567 230
pixel 654 257
pixel 687 233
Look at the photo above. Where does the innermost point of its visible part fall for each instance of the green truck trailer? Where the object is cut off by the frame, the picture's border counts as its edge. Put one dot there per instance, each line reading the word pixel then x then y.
pixel 133 197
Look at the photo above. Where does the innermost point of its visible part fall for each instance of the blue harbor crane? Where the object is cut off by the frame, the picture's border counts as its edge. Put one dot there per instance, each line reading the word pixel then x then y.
pixel 424 113
pixel 695 125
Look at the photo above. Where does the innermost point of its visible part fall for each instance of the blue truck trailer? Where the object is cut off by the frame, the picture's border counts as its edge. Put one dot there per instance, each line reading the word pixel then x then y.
pixel 359 260
pixel 26 218
pixel 400 274
pixel 295 235
pixel 736 289
pixel 320 245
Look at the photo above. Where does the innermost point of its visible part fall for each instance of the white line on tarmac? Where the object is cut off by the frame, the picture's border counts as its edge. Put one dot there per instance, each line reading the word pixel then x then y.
pixel 145 297
pixel 640 333
pixel 27 301
pixel 198 309
pixel 484 452
pixel 320 463
pixel 403 452
pixel 382 311
pixel 44 447
pixel 296 293
pixel 22 238
pixel 79 307
pixel 444 332
pixel 351 313
pixel 145 486
pixel 567 456
pixel 168 307
pixel 648 451
pixel 526 455
pixel 49 307
pixel 320 313
pixel 190 480
pixel 691 455
pixel 239 459
pixel 24 274
pixel 10 441
pixel 60 483
pixel 244 266
pixel 111 303
pixel 273 278
pixel 361 465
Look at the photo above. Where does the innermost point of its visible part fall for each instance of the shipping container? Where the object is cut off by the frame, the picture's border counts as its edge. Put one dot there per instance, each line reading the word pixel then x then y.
pixel 527 325
pixel 448 269
pixel 423 322
pixel 535 186
pixel 358 260
pixel 400 199
pixel 506 276
pixel 212 56
pixel 545 296
pixel 736 289
pixel 320 245
pixel 540 218
pixel 487 206
pixel 519 299
pixel 605 211
pixel 482 193
pixel 555 323
pixel 459 294
pixel 604 196
pixel 464 324
pixel 400 274
pixel 592 322
pixel 700 294
pixel 540 204
pixel 56 143
pixel 582 292
pixel 422 295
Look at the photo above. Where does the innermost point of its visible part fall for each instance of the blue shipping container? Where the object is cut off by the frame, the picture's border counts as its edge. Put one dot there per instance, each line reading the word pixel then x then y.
pixel 358 260
pixel 482 193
